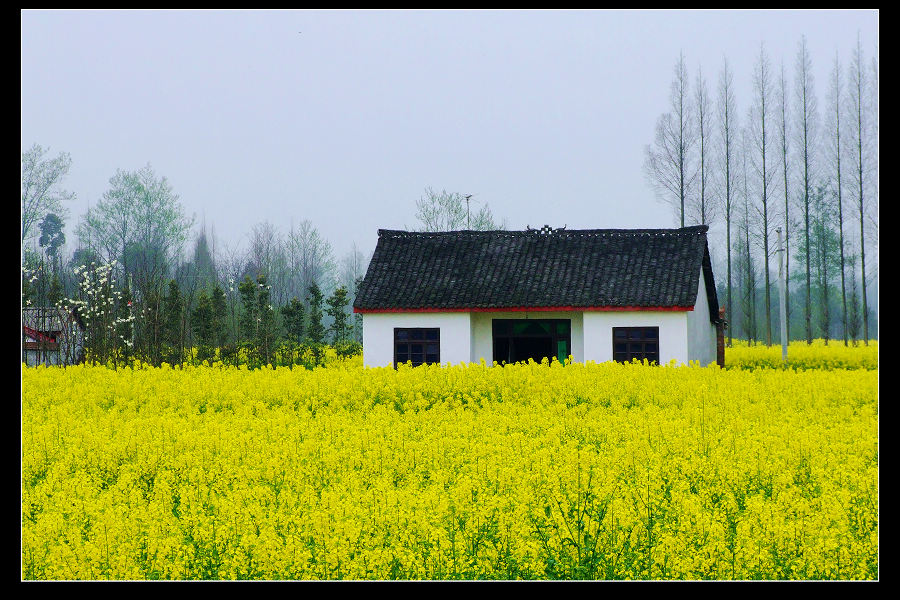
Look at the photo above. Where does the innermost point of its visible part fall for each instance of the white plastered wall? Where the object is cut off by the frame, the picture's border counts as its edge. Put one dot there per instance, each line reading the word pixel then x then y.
pixel 701 331
pixel 483 337
pixel 673 333
pixel 467 337
pixel 378 335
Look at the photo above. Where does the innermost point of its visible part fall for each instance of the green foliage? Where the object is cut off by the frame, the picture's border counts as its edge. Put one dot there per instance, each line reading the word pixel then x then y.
pixel 229 354
pixel 203 324
pixel 337 310
pixel 248 319
pixel 257 320
pixel 173 334
pixel 204 264
pixel 293 314
pixel 348 348
pixel 854 314
pixel 145 262
pixel 220 316
pixel 150 325
pixel 28 290
pixel 52 236
pixel 55 294
pixel 139 221
pixel 265 339
pixel 124 326
pixel 83 258
pixel 316 331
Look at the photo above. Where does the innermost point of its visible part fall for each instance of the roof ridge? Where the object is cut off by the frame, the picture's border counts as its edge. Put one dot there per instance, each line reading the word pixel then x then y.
pixel 688 230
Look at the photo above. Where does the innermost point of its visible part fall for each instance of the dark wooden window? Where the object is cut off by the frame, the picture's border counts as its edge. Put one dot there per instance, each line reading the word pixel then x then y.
pixel 518 340
pixel 419 345
pixel 636 342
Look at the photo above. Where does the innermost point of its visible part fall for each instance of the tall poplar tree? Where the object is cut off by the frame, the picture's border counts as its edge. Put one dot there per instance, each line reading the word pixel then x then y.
pixel 704 206
pixel 783 127
pixel 761 156
pixel 728 127
pixel 807 113
pixel 833 153
pixel 669 162
pixel 749 272
pixel 860 129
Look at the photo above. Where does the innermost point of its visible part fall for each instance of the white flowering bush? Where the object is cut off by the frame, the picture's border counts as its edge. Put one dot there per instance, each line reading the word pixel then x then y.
pixel 108 321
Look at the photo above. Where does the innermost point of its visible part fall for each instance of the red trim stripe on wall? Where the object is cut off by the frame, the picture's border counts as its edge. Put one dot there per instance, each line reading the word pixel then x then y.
pixel 529 309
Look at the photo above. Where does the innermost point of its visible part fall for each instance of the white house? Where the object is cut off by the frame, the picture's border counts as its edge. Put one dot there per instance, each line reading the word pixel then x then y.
pixel 506 296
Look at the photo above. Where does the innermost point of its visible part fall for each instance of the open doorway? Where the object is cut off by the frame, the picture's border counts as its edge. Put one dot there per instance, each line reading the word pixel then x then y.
pixel 517 340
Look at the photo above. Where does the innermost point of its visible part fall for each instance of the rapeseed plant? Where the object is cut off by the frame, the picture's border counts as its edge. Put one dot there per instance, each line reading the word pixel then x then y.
pixel 529 471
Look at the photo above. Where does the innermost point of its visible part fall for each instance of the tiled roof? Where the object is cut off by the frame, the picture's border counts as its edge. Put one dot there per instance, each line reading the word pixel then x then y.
pixel 588 268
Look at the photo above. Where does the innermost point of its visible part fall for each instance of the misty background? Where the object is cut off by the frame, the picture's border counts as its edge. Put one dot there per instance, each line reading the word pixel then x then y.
pixel 341 121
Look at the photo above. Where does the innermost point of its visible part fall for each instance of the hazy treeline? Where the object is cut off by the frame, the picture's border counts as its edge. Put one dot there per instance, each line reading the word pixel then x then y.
pixel 152 284
pixel 780 159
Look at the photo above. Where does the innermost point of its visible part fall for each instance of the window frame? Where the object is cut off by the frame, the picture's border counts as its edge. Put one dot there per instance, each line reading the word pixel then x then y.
pixel 423 339
pixel 641 338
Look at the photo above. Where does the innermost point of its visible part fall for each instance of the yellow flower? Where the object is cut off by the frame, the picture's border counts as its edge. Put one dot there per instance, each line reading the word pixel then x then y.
pixel 595 471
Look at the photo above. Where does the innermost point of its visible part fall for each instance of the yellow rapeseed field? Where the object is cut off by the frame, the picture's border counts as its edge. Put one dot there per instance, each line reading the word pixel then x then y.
pixel 597 471
pixel 818 355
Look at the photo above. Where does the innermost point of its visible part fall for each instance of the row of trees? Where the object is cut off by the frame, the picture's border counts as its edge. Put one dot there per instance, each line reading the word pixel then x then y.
pixel 780 169
pixel 142 295
pixel 173 329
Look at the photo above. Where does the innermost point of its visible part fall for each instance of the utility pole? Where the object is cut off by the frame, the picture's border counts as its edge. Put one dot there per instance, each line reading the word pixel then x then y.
pixel 467 211
pixel 782 303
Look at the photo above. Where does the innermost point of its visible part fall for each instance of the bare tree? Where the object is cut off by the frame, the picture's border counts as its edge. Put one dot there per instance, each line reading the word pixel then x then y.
pixel 41 193
pixel 669 162
pixel 230 261
pixel 268 256
pixel 760 118
pixel 860 130
pixel 311 259
pixel 832 153
pixel 353 268
pixel 807 113
pixel 292 255
pixel 728 126
pixel 746 257
pixel 873 170
pixel 783 127
pixel 704 208
pixel 447 211
pixel 264 242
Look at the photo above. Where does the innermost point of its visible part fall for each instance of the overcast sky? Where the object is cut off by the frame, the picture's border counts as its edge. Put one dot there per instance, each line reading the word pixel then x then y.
pixel 345 117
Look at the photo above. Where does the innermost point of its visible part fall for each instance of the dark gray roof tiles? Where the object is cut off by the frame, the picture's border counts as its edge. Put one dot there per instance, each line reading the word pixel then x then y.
pixel 530 269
